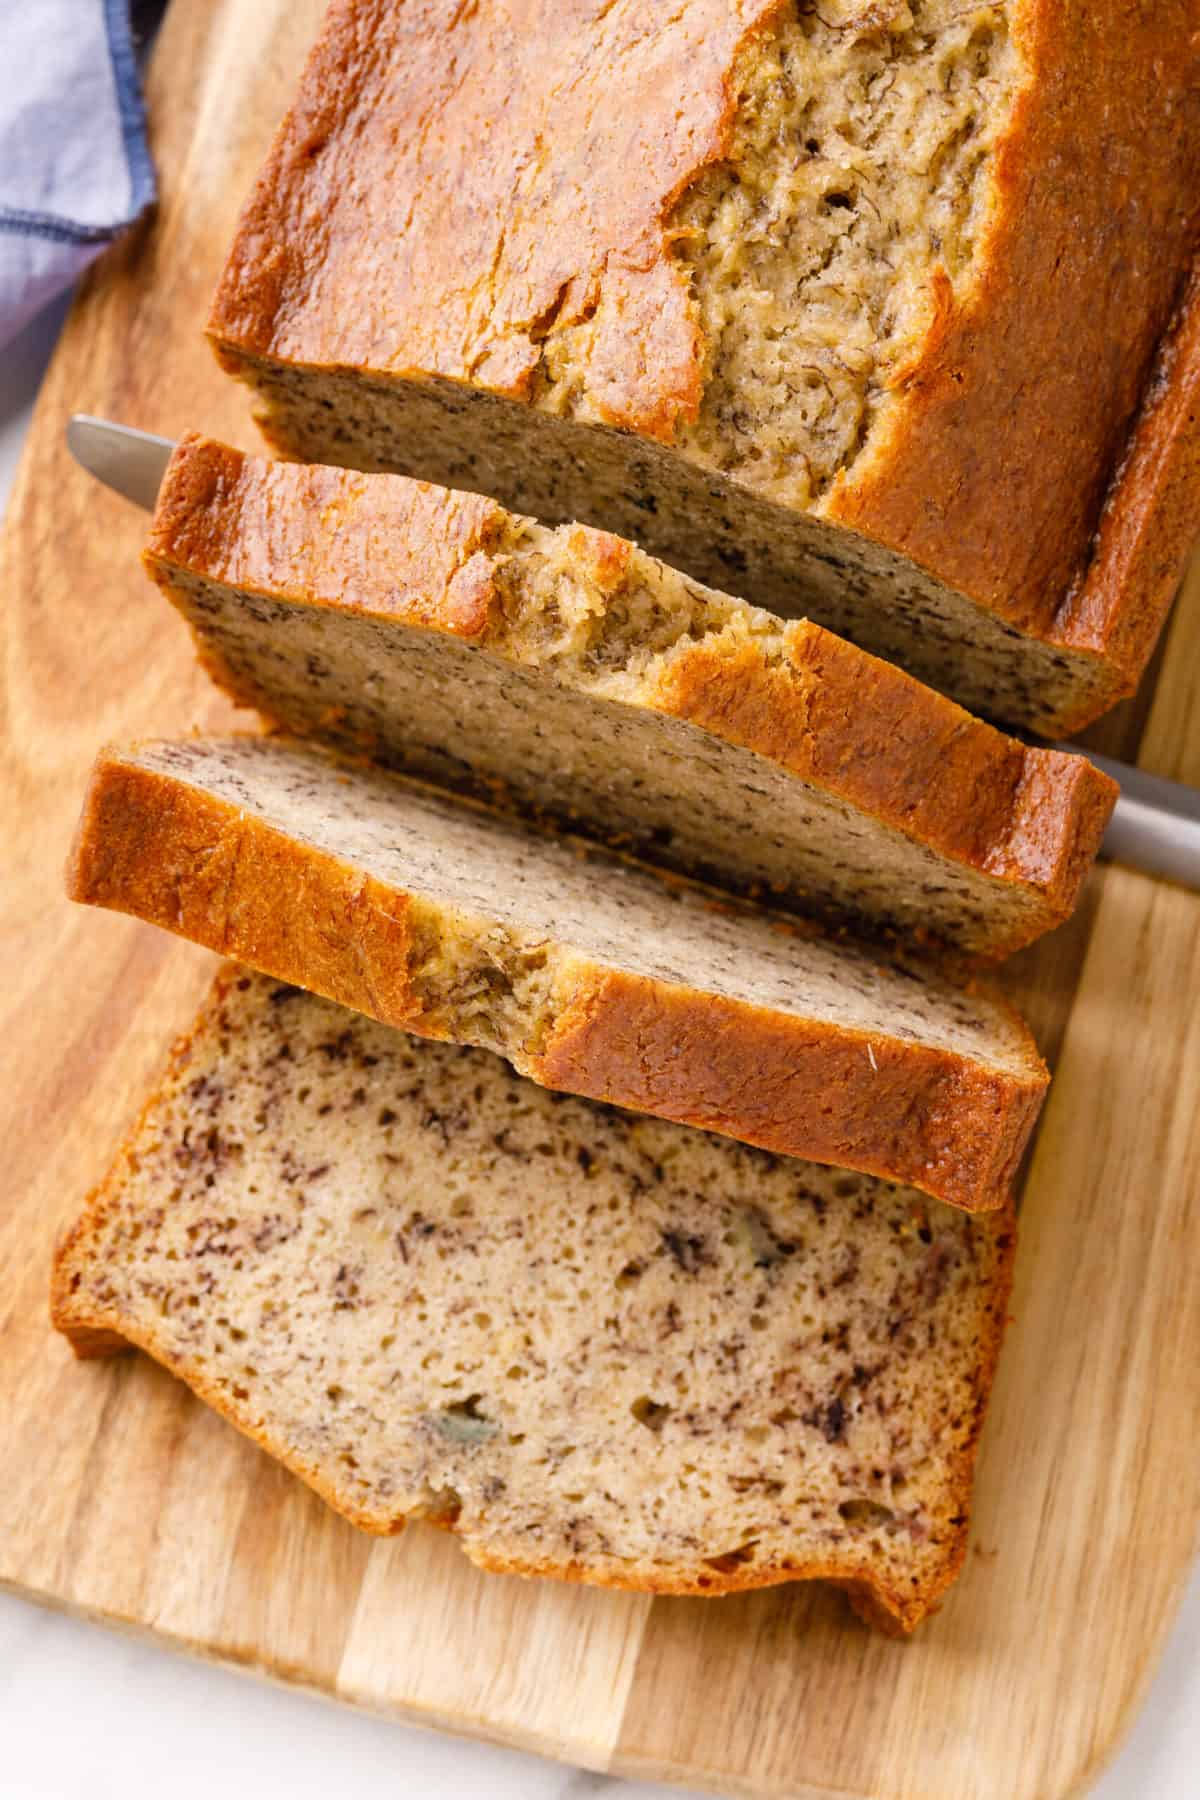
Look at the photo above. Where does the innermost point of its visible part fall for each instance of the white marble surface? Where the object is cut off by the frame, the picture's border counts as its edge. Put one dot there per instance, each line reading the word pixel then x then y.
pixel 86 1714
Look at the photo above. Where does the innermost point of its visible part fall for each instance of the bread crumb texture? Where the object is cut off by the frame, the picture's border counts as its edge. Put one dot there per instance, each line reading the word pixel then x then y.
pixel 800 218
pixel 850 309
pixel 597 1346
pixel 493 897
pixel 846 211
pixel 568 676
pixel 593 974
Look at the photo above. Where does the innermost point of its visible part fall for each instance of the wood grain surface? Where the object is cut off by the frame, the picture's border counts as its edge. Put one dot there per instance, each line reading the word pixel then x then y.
pixel 124 1498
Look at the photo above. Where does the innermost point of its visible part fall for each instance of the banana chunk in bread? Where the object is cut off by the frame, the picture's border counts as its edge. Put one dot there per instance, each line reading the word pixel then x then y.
pixel 866 312
pixel 598 1347
pixel 589 972
pixel 581 680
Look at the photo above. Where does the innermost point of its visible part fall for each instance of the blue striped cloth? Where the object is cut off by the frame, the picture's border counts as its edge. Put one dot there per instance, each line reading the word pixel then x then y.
pixel 74 165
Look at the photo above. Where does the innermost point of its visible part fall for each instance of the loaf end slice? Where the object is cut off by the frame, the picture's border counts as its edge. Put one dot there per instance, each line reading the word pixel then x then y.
pixel 690 1367
pixel 569 675
pixel 590 973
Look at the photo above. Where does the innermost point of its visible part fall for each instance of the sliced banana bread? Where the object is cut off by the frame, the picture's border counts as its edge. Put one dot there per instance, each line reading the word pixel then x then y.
pixel 593 975
pixel 577 678
pixel 861 311
pixel 598 1347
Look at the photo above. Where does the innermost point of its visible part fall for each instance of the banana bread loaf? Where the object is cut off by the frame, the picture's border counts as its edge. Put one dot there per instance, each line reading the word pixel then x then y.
pixel 688 1367
pixel 578 679
pixel 591 974
pixel 861 311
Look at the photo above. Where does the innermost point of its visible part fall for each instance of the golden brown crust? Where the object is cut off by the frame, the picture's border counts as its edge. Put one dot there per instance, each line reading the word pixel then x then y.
pixel 903 1111
pixel 180 858
pixel 1004 434
pixel 1013 421
pixel 907 756
pixel 883 1606
pixel 480 266
pixel 95 1331
pixel 1057 823
pixel 1152 515
pixel 393 549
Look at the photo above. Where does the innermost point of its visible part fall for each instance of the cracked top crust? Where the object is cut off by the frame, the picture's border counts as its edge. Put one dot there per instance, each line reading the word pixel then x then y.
pixel 465 272
pixel 1002 363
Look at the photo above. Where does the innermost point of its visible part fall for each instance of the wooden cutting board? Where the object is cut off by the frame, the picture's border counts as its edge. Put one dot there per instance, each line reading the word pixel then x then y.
pixel 123 1498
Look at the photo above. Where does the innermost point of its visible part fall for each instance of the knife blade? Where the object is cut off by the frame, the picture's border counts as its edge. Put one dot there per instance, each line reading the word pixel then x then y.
pixel 131 462
pixel 1155 826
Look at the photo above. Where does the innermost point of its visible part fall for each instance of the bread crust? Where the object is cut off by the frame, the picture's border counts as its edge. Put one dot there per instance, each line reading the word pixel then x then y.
pixel 95 1331
pixel 153 846
pixel 1013 424
pixel 1152 513
pixel 592 243
pixel 1004 444
pixel 899 1110
pixel 174 856
pixel 388 548
pixel 909 757
pixel 391 549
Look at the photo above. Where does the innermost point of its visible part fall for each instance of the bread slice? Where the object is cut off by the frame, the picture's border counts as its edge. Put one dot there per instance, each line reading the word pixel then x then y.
pixel 578 678
pixel 598 1347
pixel 865 312
pixel 589 973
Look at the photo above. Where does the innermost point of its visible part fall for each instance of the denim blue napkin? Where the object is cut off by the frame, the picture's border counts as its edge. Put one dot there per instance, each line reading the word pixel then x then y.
pixel 74 166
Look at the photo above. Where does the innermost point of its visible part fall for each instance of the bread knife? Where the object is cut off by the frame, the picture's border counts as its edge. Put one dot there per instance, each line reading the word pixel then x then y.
pixel 1155 826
